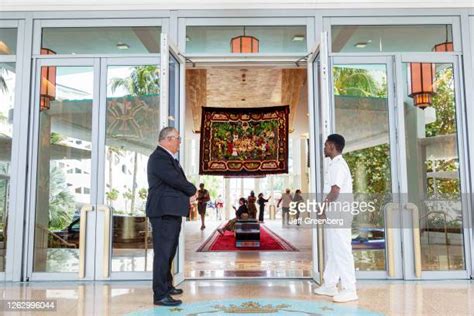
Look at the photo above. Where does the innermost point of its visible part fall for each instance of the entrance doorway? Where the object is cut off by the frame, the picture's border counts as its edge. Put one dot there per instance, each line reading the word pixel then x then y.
pixel 248 85
pixel 93 134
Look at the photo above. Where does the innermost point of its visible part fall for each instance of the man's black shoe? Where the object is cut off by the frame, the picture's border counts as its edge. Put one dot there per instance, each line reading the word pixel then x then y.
pixel 167 301
pixel 175 291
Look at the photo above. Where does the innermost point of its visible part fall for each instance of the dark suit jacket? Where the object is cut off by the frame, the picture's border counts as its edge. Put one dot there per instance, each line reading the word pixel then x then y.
pixel 168 188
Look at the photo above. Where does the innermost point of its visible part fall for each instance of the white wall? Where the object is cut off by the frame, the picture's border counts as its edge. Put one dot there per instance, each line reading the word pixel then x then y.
pixel 50 5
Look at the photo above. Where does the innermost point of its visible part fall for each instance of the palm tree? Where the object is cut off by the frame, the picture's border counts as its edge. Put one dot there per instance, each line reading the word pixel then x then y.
pixel 355 82
pixel 144 80
pixel 61 201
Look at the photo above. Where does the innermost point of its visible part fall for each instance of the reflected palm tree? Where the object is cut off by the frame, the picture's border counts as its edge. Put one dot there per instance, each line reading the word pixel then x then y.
pixel 357 82
pixel 144 80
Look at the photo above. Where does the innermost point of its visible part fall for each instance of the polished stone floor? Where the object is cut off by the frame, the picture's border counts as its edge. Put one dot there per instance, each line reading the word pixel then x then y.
pixel 134 297
pixel 266 264
pixel 272 264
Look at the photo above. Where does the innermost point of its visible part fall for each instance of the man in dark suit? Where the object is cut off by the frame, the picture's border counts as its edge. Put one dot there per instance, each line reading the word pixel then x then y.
pixel 169 196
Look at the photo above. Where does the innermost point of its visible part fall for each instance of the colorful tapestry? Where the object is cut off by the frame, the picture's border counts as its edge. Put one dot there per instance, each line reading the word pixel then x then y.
pixel 244 141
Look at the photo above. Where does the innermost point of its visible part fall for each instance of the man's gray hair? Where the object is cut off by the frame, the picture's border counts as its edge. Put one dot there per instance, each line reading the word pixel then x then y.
pixel 165 132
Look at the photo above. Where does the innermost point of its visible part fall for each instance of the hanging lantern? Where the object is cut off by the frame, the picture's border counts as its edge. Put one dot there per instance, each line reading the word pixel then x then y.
pixel 446 46
pixel 421 77
pixel 244 44
pixel 48 82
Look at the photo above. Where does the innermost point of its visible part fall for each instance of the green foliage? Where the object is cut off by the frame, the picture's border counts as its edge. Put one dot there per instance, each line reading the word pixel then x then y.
pixel 143 193
pixel 127 194
pixel 112 195
pixel 4 170
pixel 357 82
pixel 144 80
pixel 445 124
pixel 56 138
pixel 443 103
pixel 3 118
pixel 61 201
pixel 370 167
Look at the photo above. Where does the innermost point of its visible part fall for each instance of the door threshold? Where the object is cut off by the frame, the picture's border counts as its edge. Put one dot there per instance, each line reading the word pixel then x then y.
pixel 246 274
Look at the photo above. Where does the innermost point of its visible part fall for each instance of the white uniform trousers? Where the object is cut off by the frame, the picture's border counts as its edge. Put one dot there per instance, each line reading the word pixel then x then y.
pixel 339 258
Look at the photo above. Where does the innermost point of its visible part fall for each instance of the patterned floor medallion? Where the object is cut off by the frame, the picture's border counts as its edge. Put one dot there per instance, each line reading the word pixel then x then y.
pixel 257 307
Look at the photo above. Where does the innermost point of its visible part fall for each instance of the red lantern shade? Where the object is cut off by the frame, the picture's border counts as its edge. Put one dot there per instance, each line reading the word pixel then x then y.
pixel 244 44
pixel 422 76
pixel 48 82
pixel 444 47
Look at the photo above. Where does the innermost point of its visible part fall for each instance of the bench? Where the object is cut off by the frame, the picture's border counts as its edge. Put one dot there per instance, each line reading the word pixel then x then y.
pixel 247 233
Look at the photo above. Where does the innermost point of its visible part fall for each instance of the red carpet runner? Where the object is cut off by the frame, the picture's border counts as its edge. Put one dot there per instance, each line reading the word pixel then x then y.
pixel 269 241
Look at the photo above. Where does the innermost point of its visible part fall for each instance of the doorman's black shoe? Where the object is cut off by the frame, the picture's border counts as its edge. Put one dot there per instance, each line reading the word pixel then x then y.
pixel 167 301
pixel 175 291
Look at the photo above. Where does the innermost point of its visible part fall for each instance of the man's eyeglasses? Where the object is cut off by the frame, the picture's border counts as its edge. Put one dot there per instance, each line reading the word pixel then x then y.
pixel 177 137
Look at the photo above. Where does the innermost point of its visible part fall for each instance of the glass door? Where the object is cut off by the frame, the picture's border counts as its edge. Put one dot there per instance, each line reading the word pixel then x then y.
pixel 434 169
pixel 129 124
pixel 96 122
pixel 64 172
pixel 139 96
pixel 361 108
pixel 173 100
pixel 318 105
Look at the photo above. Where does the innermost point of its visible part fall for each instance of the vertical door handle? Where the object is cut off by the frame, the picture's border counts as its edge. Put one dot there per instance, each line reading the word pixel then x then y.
pixel 389 238
pixel 416 237
pixel 82 239
pixel 320 231
pixel 107 243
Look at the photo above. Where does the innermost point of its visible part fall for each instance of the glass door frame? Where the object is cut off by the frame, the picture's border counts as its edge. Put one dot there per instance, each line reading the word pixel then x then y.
pixel 212 61
pixel 104 246
pixel 86 267
pixel 318 103
pixel 99 245
pixel 170 50
pixel 412 253
pixel 393 247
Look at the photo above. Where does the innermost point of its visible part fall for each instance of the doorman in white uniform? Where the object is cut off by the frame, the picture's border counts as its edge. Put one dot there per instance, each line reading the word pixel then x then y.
pixel 338 237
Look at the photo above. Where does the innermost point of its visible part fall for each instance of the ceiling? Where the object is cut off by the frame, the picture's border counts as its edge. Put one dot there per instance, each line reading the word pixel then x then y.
pixel 251 87
pixel 102 40
pixel 387 38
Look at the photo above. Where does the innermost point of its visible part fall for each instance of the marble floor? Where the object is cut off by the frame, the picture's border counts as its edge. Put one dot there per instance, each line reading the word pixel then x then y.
pixel 264 264
pixel 134 297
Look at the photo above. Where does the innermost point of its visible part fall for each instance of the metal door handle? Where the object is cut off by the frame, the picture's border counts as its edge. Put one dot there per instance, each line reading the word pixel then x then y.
pixel 82 239
pixel 320 231
pixel 416 237
pixel 389 238
pixel 106 256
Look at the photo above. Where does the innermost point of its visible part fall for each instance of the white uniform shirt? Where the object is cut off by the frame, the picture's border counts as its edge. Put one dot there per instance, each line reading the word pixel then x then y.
pixel 338 173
